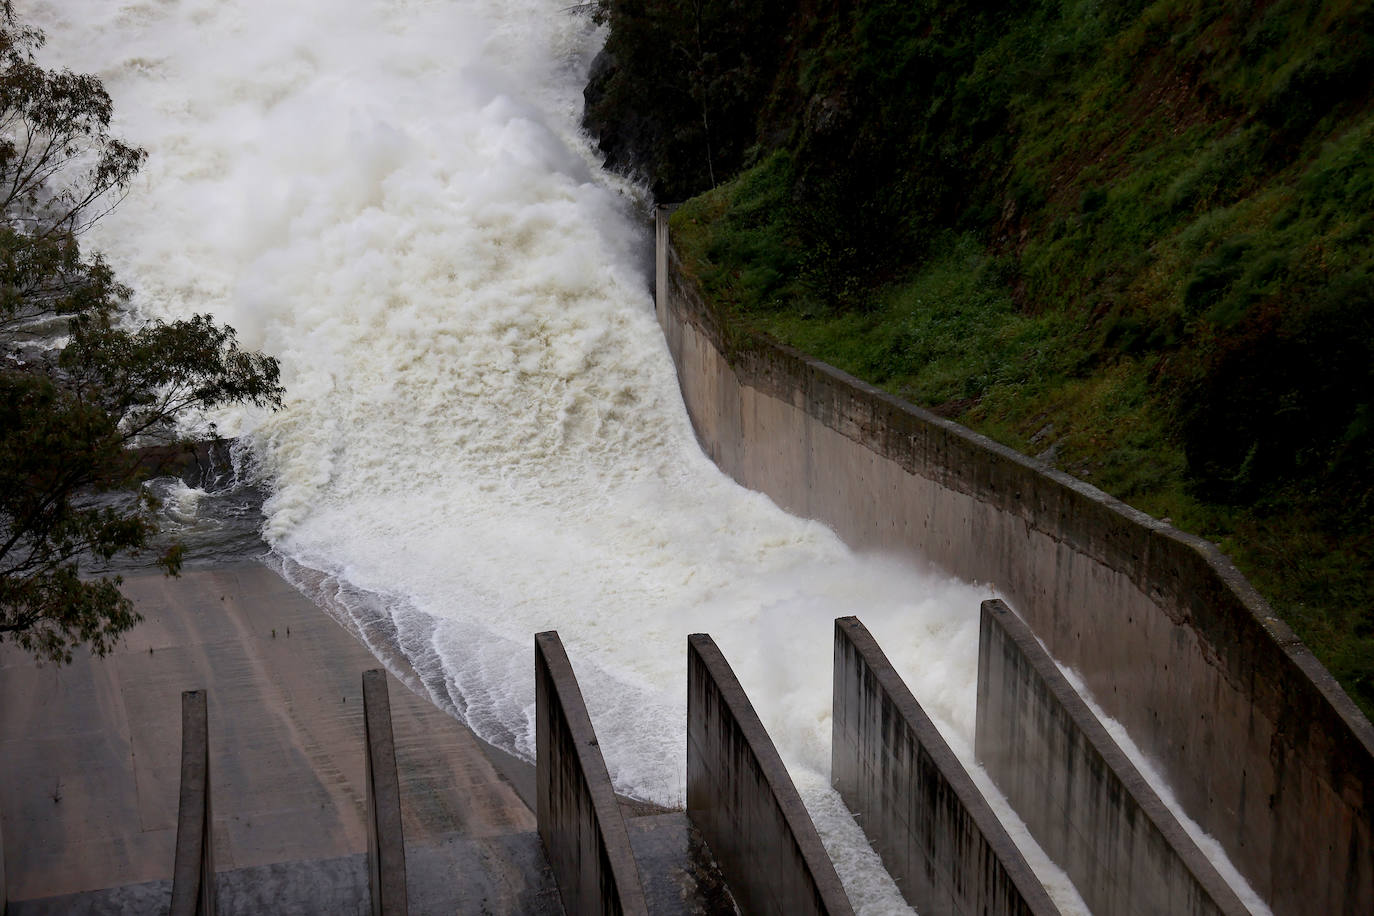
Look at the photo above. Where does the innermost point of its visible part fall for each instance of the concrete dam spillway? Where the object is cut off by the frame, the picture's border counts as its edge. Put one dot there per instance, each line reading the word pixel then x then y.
pixel 485 438
pixel 1260 745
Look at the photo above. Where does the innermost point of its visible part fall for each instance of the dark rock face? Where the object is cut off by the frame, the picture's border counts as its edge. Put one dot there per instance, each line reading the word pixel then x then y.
pixel 678 93
pixel 627 135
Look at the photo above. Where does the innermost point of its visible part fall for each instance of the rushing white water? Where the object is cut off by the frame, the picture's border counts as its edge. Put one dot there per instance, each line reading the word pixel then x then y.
pixel 483 434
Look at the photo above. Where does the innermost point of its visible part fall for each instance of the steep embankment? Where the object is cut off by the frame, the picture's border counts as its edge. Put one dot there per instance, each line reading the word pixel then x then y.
pixel 1136 240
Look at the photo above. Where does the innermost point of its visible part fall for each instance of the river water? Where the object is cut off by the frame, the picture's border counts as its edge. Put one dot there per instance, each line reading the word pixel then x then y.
pixel 483 436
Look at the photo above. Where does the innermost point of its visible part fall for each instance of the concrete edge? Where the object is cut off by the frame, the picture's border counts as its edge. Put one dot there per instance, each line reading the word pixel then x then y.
pixel 1004 850
pixel 4 888
pixel 1279 634
pixel 193 871
pixel 386 858
pixel 995 612
pixel 765 753
pixel 612 834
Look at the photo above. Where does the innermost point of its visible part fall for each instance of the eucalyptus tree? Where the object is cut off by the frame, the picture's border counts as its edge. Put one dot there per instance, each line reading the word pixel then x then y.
pixel 85 388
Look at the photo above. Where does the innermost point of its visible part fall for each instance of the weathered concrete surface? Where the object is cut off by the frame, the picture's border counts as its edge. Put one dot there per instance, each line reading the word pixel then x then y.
pixel 102 737
pixel 579 817
pixel 482 876
pixel 680 876
pixel 917 805
pixel 386 857
pixel 373 627
pixel 193 870
pixel 1077 791
pixel 745 805
pixel 452 874
pixel 1170 639
pixel 130 900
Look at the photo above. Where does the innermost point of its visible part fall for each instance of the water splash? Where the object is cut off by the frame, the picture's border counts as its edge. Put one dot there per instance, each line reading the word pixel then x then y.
pixel 483 436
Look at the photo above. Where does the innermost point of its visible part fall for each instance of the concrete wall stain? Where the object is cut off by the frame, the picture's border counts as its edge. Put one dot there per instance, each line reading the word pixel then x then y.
pixel 742 800
pixel 1078 793
pixel 1169 637
pixel 923 814
pixel 579 818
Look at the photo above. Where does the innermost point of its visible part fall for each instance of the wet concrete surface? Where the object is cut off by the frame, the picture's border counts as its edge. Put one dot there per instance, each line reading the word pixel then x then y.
pixel 89 752
pixel 680 876
pixel 89 773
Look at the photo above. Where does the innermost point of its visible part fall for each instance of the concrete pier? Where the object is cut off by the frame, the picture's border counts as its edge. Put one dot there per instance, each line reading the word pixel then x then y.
pixel 741 797
pixel 386 861
pixel 1079 794
pixel 193 872
pixel 916 803
pixel 579 818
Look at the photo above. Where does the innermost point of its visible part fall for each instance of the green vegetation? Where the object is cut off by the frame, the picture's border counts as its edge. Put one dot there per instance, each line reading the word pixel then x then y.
pixel 1136 239
pixel 81 389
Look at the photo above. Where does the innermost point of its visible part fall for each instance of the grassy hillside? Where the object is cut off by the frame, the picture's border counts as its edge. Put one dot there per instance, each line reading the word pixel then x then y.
pixel 1135 239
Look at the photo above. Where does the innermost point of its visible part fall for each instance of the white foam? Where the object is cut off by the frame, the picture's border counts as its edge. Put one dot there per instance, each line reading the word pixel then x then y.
pixel 179 500
pixel 483 434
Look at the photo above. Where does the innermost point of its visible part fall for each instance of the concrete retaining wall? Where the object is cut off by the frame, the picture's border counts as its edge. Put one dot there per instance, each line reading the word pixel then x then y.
pixel 742 800
pixel 579 818
pixel 1079 795
pixel 1168 636
pixel 386 848
pixel 193 871
pixel 917 805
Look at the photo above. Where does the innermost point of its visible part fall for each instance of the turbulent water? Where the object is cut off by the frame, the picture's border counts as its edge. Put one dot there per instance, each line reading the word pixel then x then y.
pixel 483 436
